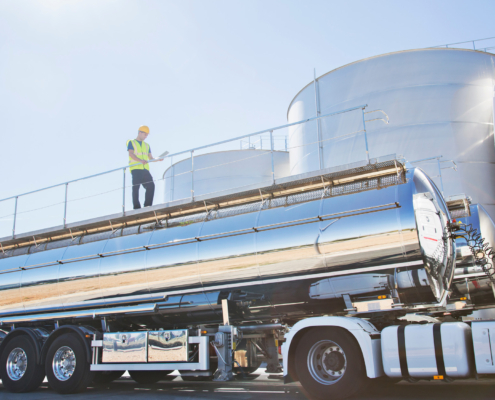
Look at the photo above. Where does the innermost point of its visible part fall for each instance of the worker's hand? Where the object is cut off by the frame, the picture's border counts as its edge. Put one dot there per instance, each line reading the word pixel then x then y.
pixel 144 162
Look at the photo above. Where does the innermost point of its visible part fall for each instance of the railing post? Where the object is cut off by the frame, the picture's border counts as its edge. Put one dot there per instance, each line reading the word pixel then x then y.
pixel 65 204
pixel 192 175
pixel 123 193
pixel 365 137
pixel 172 179
pixel 271 153
pixel 318 133
pixel 440 174
pixel 15 216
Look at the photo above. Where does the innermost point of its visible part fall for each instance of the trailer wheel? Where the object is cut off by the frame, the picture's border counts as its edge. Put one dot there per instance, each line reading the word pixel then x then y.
pixel 67 368
pixel 18 368
pixel 104 377
pixel 148 377
pixel 329 364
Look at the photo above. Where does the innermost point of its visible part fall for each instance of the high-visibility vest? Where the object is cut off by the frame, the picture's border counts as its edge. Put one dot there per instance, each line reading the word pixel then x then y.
pixel 141 151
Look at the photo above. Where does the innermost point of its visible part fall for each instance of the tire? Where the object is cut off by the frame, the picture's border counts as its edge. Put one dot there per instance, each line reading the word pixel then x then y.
pixel 148 377
pixel 18 368
pixel 329 364
pixel 104 377
pixel 66 366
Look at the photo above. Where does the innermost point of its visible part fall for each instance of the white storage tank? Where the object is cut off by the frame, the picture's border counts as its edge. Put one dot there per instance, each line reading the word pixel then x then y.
pixel 222 171
pixel 440 102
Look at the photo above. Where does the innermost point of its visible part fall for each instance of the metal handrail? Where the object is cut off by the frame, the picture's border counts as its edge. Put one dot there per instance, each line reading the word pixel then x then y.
pixel 79 179
pixel 386 119
pixel 192 156
pixel 193 149
pixel 269 130
pixel 467 41
pixel 438 162
pixel 251 145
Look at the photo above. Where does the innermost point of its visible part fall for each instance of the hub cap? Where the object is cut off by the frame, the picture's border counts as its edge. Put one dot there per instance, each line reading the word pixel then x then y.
pixel 326 362
pixel 16 364
pixel 64 363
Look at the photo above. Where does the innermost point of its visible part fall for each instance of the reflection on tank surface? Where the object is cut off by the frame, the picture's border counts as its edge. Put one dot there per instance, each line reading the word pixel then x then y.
pixel 333 288
pixel 262 257
pixel 80 281
pixel 133 344
pixel 409 286
pixel 168 346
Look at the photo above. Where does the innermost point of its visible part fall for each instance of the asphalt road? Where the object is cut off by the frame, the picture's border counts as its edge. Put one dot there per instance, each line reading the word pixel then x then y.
pixel 261 386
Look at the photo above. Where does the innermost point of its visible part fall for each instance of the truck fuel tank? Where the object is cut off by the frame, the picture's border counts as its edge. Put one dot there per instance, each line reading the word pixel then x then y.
pixel 427 351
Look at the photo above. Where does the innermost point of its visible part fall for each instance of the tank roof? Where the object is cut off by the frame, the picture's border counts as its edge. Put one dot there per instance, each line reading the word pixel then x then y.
pixel 383 55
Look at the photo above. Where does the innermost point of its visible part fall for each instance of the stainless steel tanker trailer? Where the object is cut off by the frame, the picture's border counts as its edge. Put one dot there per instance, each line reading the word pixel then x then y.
pixel 322 263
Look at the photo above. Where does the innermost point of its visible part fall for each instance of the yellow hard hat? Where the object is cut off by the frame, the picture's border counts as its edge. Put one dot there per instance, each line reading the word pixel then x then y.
pixel 144 128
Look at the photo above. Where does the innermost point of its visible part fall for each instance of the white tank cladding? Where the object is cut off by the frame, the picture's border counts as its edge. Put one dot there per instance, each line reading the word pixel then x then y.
pixel 224 170
pixel 440 102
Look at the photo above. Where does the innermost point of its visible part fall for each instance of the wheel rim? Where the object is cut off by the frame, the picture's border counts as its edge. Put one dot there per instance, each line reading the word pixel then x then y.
pixel 64 363
pixel 16 364
pixel 326 362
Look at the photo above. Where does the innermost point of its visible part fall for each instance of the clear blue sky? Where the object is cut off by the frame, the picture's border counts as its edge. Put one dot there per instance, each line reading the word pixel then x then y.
pixel 78 77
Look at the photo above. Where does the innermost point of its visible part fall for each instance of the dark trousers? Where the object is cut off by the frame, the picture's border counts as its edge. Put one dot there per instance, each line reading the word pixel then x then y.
pixel 142 177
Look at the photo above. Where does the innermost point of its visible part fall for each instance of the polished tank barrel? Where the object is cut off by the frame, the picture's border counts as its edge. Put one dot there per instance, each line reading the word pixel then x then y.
pixel 314 252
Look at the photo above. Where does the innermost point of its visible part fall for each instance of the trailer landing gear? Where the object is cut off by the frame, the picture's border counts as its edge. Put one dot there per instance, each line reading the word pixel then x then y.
pixel 223 348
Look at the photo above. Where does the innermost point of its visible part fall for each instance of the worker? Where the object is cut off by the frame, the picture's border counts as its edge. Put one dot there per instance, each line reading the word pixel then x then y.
pixel 139 156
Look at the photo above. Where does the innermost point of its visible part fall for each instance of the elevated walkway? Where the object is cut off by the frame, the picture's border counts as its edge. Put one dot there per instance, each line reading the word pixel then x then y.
pixel 345 177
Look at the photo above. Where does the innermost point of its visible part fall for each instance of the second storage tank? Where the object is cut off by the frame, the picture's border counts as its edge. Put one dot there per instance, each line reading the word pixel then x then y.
pixel 223 170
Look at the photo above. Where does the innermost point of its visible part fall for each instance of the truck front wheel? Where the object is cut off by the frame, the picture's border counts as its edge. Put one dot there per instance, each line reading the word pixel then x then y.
pixel 67 368
pixel 329 364
pixel 18 368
